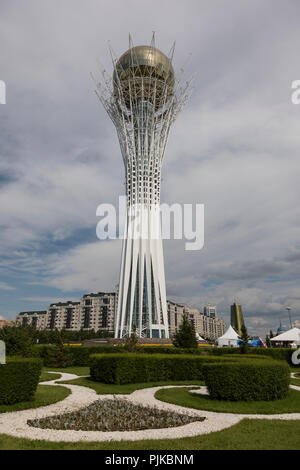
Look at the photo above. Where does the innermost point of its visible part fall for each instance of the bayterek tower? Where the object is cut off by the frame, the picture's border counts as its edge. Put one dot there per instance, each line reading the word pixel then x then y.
pixel 142 98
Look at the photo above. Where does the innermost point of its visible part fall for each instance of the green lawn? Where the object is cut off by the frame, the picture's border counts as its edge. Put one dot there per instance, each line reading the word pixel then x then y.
pixel 182 397
pixel 45 395
pixel 45 376
pixel 77 370
pixel 103 389
pixel 295 382
pixel 246 435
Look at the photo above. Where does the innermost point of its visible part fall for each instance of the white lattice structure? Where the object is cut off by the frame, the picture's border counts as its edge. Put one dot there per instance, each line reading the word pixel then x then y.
pixel 143 99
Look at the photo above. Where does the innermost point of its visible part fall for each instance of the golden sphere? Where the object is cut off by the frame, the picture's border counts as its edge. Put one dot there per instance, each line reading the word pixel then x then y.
pixel 144 72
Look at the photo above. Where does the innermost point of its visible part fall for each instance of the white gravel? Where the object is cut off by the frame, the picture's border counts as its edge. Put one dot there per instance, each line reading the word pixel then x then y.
pixel 15 423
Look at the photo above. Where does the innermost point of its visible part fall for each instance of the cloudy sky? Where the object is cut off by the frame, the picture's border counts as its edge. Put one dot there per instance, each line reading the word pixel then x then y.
pixel 235 148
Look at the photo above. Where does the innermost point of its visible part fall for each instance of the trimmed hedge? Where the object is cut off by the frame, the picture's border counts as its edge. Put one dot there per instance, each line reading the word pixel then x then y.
pixel 19 379
pixel 134 368
pixel 53 356
pixel 283 354
pixel 247 380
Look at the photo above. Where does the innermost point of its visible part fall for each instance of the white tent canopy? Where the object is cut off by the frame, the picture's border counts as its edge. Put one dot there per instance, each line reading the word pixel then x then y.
pixel 292 335
pixel 199 338
pixel 229 338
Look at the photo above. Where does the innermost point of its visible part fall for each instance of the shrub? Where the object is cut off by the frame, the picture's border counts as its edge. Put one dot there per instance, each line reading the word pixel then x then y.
pixel 244 347
pixel 17 340
pixel 284 354
pixel 55 356
pixel 80 355
pixel 185 337
pixel 131 342
pixel 134 368
pixel 172 350
pixel 247 380
pixel 19 379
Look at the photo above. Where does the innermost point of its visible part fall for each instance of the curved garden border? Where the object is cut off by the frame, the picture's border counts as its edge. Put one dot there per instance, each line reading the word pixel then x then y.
pixel 15 423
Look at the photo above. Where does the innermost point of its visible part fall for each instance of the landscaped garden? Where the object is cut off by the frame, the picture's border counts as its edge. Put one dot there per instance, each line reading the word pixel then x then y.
pixel 149 391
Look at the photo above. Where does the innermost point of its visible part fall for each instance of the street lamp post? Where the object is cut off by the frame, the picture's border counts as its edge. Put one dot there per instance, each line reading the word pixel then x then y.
pixel 289 314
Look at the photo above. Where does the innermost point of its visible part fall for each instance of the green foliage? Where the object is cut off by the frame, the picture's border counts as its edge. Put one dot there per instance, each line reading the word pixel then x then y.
pixel 184 397
pixel 247 380
pixel 131 342
pixel 136 368
pixel 171 350
pixel 45 395
pixel 244 348
pixel 185 337
pixel 283 354
pixel 19 379
pixel 67 356
pixel 18 340
pixel 124 389
pixel 56 356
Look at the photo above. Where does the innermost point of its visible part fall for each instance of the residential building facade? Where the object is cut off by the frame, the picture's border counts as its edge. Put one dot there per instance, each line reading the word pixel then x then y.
pixel 37 319
pixel 98 312
pixel 207 327
pixel 210 311
pixel 92 312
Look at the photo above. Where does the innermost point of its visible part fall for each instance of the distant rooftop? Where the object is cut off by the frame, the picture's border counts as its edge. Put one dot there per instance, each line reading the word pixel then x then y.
pixel 99 294
pixel 39 312
pixel 63 304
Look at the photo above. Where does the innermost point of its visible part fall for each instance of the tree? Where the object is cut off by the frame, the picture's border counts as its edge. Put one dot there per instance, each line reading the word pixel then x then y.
pixel 245 338
pixel 131 342
pixel 185 337
pixel 17 339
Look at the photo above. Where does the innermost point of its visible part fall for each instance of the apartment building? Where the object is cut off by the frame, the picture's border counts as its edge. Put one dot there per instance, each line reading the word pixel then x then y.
pixel 98 312
pixel 210 311
pixel 92 312
pixel 63 315
pixel 207 327
pixel 37 319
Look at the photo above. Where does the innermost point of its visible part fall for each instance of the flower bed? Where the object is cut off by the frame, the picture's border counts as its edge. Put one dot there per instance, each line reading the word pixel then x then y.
pixel 115 415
